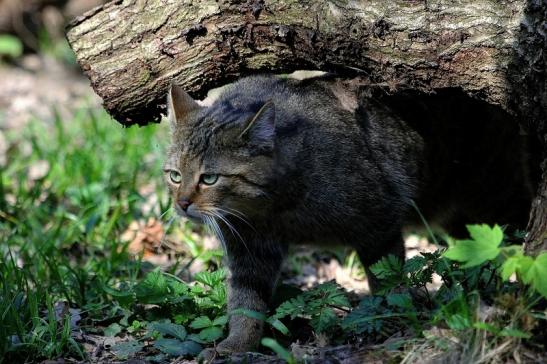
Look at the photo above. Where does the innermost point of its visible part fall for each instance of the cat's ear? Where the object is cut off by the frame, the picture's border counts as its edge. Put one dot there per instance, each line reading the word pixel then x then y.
pixel 180 104
pixel 260 129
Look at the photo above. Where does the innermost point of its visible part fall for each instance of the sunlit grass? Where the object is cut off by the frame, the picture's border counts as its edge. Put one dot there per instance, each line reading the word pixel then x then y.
pixel 68 191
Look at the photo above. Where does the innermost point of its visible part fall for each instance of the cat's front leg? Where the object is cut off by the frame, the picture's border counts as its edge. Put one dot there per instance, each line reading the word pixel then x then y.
pixel 253 272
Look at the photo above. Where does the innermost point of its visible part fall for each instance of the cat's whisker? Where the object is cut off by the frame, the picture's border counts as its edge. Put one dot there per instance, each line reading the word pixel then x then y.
pixel 232 212
pixel 212 225
pixel 232 229
pixel 236 214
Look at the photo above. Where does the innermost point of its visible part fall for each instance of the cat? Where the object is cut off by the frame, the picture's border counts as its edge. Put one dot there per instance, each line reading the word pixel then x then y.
pixel 273 162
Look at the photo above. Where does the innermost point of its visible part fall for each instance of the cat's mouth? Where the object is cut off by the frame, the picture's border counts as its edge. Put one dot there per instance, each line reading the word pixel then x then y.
pixel 191 214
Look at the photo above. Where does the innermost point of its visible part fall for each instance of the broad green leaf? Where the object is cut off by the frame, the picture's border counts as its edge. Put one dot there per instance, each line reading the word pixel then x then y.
pixel 525 264
pixel 211 334
pixel 486 234
pixel 113 330
pixel 176 347
pixel 510 266
pixel 196 338
pixel 210 279
pixel 205 278
pixel 168 328
pixel 126 349
pixel 10 46
pixel 536 275
pixel 221 320
pixel 201 322
pixel 178 288
pixel 153 289
pixel 483 247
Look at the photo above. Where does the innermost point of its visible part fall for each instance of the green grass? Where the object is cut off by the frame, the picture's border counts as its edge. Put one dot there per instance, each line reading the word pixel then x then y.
pixel 60 233
pixel 71 188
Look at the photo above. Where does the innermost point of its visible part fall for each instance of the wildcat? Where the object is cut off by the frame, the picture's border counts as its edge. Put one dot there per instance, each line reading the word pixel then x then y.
pixel 273 162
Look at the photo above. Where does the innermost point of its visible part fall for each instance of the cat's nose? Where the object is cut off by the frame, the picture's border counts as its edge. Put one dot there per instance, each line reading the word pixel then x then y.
pixel 184 204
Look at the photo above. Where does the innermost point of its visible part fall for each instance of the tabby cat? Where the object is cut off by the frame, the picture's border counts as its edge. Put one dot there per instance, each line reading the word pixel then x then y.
pixel 273 162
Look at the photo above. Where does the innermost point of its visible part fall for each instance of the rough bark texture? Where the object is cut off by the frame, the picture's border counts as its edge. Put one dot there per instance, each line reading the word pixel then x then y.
pixel 528 98
pixel 131 50
pixel 493 50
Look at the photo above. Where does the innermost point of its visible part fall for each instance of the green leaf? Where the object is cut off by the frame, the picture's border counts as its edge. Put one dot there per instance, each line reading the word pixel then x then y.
pixel 153 289
pixel 483 247
pixel 196 338
pixel 515 333
pixel 510 266
pixel 168 328
pixel 536 274
pixel 278 325
pixel 361 319
pixel 326 320
pixel 176 347
pixel 414 264
pixel 292 307
pixel 457 321
pixel 221 320
pixel 10 46
pixel 278 349
pixel 113 330
pixel 211 334
pixel 487 327
pixel 402 300
pixel 486 234
pixel 201 322
pixel 210 279
pixel 126 349
pixel 387 267
pixel 249 313
pixel 115 293
pixel 178 288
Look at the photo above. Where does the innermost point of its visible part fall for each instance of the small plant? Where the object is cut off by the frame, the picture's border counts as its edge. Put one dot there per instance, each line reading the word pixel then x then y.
pixel 190 315
pixel 318 304
pixel 485 246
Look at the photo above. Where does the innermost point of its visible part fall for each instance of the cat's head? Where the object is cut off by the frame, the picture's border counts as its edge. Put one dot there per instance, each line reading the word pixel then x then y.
pixel 220 161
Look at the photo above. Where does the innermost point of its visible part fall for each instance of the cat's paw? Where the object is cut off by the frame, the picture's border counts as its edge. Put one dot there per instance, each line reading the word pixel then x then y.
pixel 231 345
pixel 207 356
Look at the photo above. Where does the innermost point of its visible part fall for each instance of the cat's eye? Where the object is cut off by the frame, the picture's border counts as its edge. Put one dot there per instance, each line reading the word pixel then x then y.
pixel 209 179
pixel 175 177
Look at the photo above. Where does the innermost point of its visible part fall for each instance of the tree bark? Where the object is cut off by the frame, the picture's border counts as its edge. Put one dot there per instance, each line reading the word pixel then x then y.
pixel 133 49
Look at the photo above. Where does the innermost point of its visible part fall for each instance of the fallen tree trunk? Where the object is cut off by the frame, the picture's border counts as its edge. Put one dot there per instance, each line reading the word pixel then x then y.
pixel 133 49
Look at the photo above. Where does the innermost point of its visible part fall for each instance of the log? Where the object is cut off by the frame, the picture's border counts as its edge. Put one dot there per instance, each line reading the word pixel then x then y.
pixel 132 50
pixel 493 50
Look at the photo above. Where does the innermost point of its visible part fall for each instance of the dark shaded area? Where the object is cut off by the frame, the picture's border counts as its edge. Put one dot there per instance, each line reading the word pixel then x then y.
pixel 482 168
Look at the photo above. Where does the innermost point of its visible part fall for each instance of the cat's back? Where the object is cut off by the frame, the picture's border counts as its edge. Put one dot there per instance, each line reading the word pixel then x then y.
pixel 309 101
